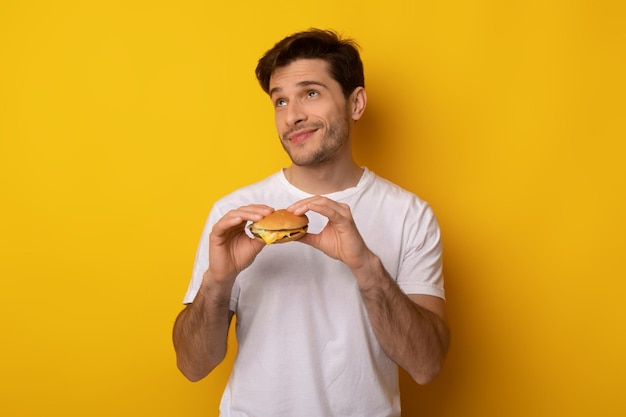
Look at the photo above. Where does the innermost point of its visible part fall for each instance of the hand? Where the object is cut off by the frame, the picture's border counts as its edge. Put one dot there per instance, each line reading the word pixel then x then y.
pixel 230 249
pixel 340 239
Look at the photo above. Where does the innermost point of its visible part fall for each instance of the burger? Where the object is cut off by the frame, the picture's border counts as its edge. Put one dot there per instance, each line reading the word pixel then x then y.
pixel 279 227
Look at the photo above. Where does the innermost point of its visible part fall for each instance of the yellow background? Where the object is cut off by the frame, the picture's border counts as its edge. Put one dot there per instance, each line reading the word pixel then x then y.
pixel 122 121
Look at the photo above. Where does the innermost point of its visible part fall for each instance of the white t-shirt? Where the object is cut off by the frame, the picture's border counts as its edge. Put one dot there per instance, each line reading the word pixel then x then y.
pixel 305 343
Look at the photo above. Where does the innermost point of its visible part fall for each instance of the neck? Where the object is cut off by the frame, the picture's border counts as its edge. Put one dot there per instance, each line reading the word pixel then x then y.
pixel 320 180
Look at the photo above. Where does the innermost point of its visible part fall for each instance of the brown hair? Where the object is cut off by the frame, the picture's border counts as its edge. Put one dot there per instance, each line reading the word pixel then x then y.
pixel 342 55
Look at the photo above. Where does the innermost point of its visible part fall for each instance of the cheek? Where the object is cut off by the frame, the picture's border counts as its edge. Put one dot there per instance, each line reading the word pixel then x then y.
pixel 279 124
pixel 277 119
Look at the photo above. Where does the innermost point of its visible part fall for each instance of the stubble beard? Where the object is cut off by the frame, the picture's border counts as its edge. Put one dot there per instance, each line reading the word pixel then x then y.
pixel 334 139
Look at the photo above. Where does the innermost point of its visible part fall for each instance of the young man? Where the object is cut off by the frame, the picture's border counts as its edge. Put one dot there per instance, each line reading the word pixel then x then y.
pixel 322 323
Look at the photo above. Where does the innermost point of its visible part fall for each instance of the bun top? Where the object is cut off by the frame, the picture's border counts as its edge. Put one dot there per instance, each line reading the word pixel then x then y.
pixel 282 220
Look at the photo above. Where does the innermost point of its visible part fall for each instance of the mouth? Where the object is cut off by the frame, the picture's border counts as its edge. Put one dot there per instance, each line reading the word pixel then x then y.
pixel 300 135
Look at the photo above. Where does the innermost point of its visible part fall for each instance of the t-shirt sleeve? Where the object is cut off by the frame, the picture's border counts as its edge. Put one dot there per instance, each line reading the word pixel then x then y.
pixel 421 269
pixel 201 262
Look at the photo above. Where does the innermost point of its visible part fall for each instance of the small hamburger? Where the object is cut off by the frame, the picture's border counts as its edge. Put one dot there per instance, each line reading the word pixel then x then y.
pixel 279 227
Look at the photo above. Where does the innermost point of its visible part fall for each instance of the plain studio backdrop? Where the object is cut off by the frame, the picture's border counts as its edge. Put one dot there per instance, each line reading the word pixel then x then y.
pixel 122 121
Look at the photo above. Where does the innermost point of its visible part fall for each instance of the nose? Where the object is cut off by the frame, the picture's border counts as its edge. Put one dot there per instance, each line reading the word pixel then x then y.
pixel 295 113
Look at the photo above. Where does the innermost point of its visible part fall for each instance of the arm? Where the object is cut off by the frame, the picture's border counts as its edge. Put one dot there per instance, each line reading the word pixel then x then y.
pixel 411 329
pixel 201 329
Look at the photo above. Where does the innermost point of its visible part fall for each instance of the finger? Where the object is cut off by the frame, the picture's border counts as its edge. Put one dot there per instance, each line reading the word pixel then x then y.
pixel 255 210
pixel 310 203
pixel 251 212
pixel 302 206
pixel 310 239
pixel 237 217
pixel 334 211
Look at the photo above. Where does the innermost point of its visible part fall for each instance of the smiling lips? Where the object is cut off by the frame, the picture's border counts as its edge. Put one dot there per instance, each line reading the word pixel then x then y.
pixel 300 135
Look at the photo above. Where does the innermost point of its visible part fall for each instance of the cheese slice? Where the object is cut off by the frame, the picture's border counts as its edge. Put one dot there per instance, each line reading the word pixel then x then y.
pixel 271 236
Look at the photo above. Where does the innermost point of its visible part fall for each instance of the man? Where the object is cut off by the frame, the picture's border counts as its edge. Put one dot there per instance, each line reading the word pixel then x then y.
pixel 322 323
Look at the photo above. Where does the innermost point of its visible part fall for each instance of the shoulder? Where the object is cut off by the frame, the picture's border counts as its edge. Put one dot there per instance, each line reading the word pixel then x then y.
pixel 393 194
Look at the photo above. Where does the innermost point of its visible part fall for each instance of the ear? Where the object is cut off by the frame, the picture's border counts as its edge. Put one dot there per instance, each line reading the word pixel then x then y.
pixel 358 101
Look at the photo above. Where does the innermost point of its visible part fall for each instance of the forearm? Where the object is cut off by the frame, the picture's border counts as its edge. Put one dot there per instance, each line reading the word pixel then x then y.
pixel 201 330
pixel 413 336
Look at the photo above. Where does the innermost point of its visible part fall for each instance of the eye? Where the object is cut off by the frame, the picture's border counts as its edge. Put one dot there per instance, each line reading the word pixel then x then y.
pixel 280 102
pixel 312 93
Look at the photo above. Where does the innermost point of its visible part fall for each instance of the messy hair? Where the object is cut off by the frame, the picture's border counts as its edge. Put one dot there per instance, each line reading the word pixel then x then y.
pixel 341 54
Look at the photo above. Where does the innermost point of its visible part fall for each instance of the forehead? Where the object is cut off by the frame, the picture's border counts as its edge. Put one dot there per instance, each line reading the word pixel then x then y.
pixel 299 71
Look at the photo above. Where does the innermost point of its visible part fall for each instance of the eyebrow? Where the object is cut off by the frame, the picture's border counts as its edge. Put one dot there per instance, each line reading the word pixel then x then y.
pixel 300 84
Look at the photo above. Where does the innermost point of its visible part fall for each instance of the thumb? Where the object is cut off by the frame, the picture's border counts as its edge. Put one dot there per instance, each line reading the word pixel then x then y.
pixel 310 239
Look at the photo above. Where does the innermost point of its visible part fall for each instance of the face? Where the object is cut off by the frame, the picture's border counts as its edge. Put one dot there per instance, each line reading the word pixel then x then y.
pixel 312 115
